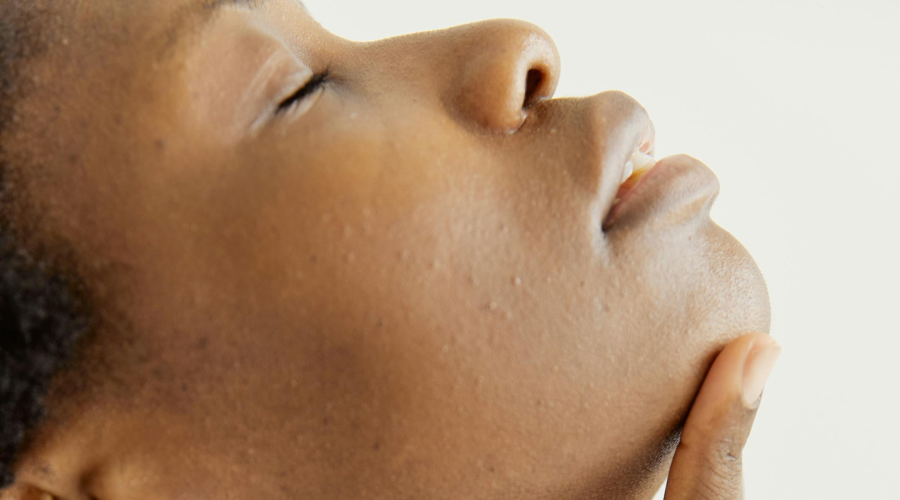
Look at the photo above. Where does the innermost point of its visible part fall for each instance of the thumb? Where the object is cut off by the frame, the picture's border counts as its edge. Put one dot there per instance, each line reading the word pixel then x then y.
pixel 707 463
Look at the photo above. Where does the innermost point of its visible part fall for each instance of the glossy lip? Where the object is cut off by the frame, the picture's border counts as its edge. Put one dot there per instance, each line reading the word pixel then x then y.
pixel 617 126
pixel 672 183
pixel 629 192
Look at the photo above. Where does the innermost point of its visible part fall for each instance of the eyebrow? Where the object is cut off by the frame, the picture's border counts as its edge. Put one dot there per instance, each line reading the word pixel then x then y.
pixel 198 15
pixel 213 7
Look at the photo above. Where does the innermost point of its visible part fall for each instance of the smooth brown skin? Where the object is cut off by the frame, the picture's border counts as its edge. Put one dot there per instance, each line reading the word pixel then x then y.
pixel 402 290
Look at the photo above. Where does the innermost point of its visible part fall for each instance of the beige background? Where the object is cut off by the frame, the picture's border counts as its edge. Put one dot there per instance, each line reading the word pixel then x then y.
pixel 795 105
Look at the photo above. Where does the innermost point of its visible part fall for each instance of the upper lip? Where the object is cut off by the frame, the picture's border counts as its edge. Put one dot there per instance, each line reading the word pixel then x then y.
pixel 619 126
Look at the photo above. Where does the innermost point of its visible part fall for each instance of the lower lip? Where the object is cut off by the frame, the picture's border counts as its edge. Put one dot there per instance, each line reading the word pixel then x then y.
pixel 672 183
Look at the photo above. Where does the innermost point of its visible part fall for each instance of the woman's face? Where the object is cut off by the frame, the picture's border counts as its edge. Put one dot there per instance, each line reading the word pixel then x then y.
pixel 402 285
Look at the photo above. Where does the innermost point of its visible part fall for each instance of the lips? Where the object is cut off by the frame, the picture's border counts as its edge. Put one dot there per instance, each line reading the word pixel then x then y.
pixel 635 169
pixel 629 187
pixel 677 188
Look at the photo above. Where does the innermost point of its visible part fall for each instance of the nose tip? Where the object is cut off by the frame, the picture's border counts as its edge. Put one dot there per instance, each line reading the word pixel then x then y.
pixel 510 66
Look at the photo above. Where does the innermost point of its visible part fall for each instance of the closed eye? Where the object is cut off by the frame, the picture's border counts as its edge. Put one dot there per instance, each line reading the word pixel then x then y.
pixel 317 80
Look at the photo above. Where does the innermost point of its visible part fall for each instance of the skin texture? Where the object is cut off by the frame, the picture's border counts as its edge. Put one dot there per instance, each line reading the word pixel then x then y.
pixel 400 289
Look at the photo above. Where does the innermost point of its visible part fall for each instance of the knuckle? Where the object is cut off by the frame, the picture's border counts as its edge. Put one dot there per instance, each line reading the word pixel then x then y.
pixel 719 465
pixel 722 471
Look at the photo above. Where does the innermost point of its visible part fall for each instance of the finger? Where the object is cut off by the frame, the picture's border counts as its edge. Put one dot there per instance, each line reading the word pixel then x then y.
pixel 707 463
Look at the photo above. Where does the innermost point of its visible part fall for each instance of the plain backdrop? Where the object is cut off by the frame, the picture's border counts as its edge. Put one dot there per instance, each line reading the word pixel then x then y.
pixel 794 104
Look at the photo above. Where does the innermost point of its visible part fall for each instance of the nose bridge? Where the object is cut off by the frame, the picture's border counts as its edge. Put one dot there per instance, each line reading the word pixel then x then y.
pixel 487 73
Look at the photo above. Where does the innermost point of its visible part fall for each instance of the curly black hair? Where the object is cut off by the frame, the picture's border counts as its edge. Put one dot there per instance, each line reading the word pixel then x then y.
pixel 42 317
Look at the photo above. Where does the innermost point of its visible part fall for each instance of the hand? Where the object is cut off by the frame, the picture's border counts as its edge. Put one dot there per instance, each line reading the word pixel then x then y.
pixel 707 463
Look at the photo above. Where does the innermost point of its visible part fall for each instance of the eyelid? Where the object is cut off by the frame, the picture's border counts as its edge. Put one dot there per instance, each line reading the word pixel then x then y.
pixel 304 92
pixel 285 88
pixel 291 84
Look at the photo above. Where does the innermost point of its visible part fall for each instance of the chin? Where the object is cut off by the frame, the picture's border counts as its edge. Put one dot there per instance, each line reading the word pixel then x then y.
pixel 741 295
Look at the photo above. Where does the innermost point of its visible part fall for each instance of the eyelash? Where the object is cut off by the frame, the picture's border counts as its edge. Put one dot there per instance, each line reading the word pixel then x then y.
pixel 317 80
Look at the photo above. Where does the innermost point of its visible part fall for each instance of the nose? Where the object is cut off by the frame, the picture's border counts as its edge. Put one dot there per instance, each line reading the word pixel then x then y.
pixel 504 67
pixel 486 74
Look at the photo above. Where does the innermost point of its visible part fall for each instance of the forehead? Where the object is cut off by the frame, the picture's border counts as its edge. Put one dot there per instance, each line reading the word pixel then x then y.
pixel 161 27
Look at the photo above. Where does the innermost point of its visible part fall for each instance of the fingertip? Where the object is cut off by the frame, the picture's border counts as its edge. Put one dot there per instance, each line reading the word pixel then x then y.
pixel 735 357
pixel 761 359
pixel 738 372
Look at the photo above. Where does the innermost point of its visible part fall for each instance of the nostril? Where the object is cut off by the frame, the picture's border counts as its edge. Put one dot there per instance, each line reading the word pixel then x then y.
pixel 532 85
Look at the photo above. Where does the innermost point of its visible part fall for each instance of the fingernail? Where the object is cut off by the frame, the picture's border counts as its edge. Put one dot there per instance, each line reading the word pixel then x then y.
pixel 760 362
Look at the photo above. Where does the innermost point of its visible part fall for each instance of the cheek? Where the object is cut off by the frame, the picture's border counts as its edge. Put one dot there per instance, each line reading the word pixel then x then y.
pixel 447 329
pixel 459 334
